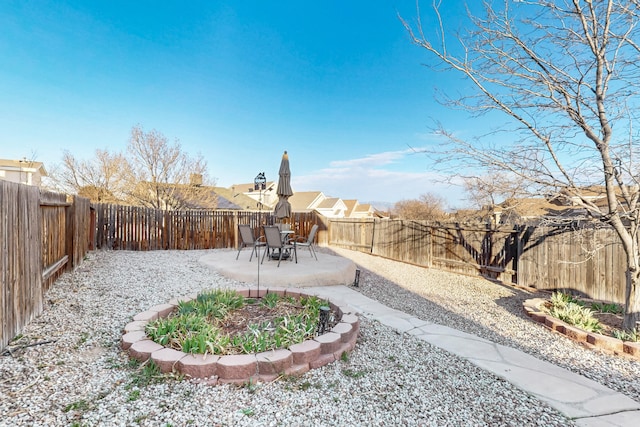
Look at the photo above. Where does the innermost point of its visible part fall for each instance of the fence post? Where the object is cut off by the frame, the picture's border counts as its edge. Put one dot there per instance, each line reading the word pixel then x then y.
pixel 236 242
pixel 373 235
pixel 70 225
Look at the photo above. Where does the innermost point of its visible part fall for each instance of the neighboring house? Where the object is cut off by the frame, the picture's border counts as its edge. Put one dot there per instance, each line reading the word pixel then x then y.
pixel 22 171
pixel 360 210
pixel 332 207
pixel 228 199
pixel 265 199
pixel 173 196
pixel 301 201
pixel 524 210
pixel 306 201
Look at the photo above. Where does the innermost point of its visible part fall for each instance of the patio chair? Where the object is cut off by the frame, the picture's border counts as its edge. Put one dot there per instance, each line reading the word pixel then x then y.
pixel 308 242
pixel 249 240
pixel 275 241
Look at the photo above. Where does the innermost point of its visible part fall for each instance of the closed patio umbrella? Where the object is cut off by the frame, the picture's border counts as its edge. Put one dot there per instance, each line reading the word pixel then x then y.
pixel 283 207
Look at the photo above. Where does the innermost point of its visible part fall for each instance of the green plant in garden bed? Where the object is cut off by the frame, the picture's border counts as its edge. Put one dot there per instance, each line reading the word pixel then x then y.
pixel 581 314
pixel 606 308
pixel 633 335
pixel 569 310
pixel 198 326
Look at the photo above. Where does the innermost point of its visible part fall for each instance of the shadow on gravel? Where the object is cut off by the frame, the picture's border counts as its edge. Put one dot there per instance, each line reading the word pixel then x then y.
pixel 504 309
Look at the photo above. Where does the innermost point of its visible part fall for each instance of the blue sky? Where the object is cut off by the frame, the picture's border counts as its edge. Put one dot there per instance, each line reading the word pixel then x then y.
pixel 335 83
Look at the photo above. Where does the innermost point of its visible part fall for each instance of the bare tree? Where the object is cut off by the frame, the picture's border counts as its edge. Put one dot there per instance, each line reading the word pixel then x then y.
pixel 565 76
pixel 427 207
pixel 101 179
pixel 492 189
pixel 163 176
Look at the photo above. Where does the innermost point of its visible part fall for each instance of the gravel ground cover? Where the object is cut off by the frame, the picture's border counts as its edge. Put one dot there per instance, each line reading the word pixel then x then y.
pixel 67 367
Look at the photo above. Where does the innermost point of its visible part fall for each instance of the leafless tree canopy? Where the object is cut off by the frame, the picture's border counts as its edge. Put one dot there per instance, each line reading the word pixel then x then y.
pixel 101 179
pixel 564 76
pixel 161 173
pixel 492 189
pixel 428 207
pixel 154 173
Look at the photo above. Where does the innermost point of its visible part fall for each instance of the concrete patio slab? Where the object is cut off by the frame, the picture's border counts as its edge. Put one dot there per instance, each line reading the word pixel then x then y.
pixel 328 270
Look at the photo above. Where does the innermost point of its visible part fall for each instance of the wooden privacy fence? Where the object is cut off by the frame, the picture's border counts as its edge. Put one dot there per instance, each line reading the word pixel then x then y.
pixel 41 234
pixel 587 261
pixel 139 228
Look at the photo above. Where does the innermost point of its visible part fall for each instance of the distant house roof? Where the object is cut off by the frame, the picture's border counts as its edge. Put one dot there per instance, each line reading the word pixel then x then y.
pixel 266 197
pixel 328 203
pixel 18 165
pixel 230 199
pixel 332 207
pixel 23 164
pixel 533 208
pixel 22 171
pixel 190 197
pixel 350 204
pixel 249 187
pixel 305 201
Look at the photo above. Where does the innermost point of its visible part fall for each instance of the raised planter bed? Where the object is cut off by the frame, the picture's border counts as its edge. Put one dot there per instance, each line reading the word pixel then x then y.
pixel 605 343
pixel 240 369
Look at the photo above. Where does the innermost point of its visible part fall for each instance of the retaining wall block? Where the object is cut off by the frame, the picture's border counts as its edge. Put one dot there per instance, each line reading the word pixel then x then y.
pixel 294 292
pixel 607 343
pixel 297 370
pixel 131 337
pixel 146 316
pixel 345 330
pixel 166 359
pixel 182 299
pixel 329 342
pixel 163 309
pixel 198 365
pixel 137 325
pixel 277 290
pixel 555 324
pixel 257 293
pixel 237 366
pixel 632 348
pixel 142 350
pixel 244 292
pixel 575 333
pixel 305 352
pixel 352 319
pixel 345 347
pixel 274 362
pixel 538 316
pixel 323 360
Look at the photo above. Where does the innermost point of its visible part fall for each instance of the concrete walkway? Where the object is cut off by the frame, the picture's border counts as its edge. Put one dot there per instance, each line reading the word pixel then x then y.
pixel 589 403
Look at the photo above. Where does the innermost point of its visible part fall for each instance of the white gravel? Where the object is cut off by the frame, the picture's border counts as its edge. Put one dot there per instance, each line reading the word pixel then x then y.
pixel 81 377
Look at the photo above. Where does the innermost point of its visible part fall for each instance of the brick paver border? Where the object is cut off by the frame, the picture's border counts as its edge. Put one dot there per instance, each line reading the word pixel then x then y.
pixel 243 368
pixel 591 339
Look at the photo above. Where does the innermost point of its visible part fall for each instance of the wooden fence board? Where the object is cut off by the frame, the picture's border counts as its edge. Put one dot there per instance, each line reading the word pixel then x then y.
pixel 139 228
pixel 40 233
pixel 586 262
pixel 21 277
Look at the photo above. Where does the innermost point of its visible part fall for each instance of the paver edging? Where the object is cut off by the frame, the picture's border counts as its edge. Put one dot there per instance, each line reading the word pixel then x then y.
pixel 224 369
pixel 605 343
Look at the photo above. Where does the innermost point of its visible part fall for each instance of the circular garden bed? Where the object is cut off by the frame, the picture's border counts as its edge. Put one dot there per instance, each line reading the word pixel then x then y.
pixel 319 343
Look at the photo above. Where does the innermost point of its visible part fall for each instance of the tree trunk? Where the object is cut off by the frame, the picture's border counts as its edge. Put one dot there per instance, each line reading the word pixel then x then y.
pixel 632 299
